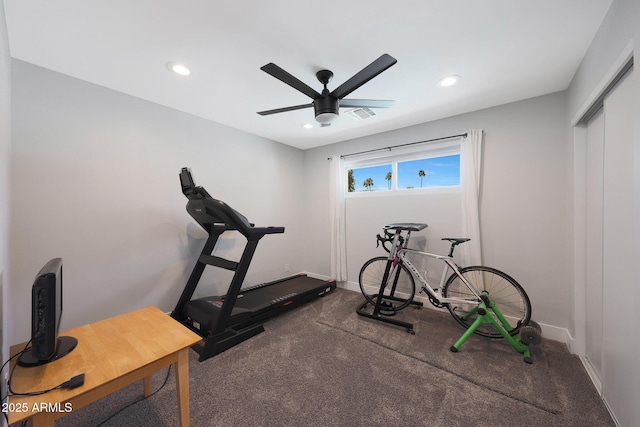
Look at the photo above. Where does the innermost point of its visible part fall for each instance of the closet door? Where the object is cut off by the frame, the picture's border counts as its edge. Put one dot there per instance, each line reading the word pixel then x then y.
pixel 619 289
pixel 594 212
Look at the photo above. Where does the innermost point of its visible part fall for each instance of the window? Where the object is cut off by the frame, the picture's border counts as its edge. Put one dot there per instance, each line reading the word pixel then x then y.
pixel 371 178
pixel 430 172
pixel 435 167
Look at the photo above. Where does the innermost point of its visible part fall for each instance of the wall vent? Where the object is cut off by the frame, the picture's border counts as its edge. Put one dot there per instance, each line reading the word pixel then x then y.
pixel 360 113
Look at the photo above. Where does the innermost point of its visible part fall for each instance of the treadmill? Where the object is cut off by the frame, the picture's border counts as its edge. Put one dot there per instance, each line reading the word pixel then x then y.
pixel 226 320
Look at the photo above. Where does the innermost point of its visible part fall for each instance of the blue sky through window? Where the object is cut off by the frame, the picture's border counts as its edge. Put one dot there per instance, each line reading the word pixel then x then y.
pixel 376 173
pixel 439 172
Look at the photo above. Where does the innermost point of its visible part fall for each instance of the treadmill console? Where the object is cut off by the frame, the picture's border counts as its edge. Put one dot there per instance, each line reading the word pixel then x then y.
pixel 188 186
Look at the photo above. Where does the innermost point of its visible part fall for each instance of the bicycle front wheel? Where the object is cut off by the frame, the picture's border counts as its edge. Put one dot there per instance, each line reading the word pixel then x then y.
pixel 371 275
pixel 507 294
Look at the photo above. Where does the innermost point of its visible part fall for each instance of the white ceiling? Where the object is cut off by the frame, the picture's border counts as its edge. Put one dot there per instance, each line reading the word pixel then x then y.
pixel 504 50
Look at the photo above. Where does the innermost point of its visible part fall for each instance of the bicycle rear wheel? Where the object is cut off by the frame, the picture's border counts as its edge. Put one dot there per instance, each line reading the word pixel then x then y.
pixel 507 294
pixel 371 275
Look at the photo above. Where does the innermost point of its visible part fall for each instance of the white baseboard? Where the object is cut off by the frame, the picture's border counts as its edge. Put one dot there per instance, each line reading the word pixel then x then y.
pixel 595 379
pixel 318 276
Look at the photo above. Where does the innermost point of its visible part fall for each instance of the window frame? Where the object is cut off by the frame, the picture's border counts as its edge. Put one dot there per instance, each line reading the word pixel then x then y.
pixel 432 150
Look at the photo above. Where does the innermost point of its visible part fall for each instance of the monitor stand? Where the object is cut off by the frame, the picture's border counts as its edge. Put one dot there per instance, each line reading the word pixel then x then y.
pixel 64 346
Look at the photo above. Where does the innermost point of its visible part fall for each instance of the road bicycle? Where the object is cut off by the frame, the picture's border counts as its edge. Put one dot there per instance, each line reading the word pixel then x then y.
pixel 484 300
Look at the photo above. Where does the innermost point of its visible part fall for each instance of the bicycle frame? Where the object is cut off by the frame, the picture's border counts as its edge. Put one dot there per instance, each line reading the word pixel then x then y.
pixel 398 253
pixel 450 265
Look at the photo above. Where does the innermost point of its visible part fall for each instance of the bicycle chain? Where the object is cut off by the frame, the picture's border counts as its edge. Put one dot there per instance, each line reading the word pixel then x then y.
pixel 436 302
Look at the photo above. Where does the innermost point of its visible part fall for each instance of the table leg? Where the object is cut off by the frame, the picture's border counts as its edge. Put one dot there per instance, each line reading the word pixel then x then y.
pixel 182 386
pixel 43 419
pixel 147 386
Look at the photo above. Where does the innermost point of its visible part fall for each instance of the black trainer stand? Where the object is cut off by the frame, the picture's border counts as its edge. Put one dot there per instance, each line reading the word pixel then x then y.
pixel 227 320
pixel 385 307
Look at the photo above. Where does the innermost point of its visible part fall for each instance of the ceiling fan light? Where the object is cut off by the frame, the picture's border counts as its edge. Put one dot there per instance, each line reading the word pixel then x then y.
pixel 326 117
pixel 326 108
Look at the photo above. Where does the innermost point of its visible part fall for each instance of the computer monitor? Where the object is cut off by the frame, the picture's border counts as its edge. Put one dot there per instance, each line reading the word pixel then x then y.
pixel 46 314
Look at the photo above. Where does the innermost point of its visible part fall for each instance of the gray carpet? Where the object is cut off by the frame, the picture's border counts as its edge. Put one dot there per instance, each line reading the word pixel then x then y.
pixel 323 365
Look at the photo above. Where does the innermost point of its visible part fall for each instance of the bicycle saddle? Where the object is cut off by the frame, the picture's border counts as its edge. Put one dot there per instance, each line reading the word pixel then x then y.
pixel 407 226
pixel 456 240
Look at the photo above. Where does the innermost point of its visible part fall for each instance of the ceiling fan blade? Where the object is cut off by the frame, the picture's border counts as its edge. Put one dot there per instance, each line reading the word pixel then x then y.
pixel 292 81
pixel 367 73
pixel 365 103
pixel 282 110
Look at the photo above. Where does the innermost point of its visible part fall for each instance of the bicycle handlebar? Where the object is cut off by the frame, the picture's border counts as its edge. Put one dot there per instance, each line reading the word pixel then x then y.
pixel 387 239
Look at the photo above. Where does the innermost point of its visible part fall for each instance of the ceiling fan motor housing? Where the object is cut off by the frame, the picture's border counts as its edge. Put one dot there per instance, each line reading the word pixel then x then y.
pixel 327 108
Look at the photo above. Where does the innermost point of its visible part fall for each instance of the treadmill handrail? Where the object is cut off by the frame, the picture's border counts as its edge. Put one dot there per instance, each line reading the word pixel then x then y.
pixel 269 230
pixel 218 212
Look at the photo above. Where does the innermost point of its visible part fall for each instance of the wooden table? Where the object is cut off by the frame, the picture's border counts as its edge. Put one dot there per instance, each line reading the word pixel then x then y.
pixel 112 353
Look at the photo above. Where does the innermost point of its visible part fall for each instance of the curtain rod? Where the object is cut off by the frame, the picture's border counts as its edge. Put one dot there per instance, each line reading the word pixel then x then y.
pixel 463 135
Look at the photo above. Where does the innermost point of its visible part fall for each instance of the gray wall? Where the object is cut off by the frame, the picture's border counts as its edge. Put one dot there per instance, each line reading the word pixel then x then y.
pixel 5 167
pixel 96 182
pixel 441 211
pixel 620 27
pixel 525 202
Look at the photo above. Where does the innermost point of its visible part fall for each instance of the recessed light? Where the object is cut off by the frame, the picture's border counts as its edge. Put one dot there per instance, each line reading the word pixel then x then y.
pixel 178 68
pixel 448 81
pixel 307 126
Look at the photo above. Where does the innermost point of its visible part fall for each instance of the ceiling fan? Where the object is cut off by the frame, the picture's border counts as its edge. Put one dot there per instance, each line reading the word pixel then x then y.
pixel 327 104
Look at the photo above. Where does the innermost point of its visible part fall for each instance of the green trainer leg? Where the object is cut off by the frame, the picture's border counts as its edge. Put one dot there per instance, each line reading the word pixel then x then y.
pixel 467 334
pixel 493 307
pixel 471 312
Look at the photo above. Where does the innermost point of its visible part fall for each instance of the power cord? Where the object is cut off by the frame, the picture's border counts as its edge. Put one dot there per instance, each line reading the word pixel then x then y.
pixel 74 382
pixel 166 378
pixel 2 398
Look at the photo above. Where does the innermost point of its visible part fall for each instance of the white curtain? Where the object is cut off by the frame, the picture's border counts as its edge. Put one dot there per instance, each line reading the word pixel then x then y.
pixel 470 177
pixel 338 217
